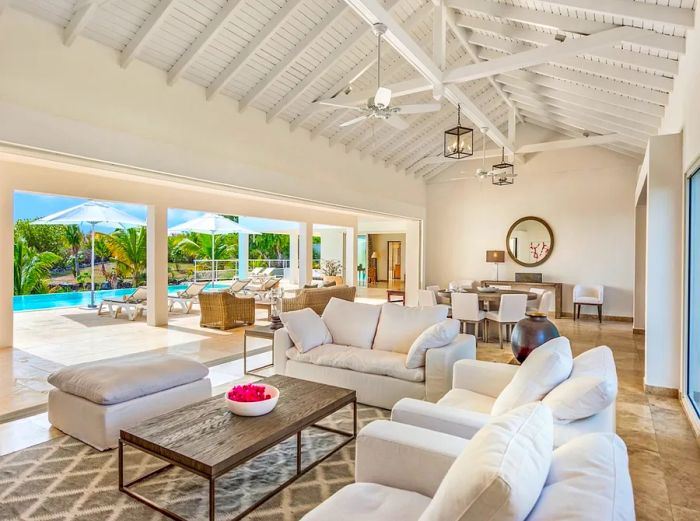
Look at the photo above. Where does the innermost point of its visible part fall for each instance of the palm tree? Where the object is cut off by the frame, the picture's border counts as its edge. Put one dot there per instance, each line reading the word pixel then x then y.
pixel 74 239
pixel 198 245
pixel 128 248
pixel 31 269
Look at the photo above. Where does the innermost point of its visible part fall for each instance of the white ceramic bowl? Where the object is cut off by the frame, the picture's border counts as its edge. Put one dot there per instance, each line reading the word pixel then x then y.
pixel 254 408
pixel 486 289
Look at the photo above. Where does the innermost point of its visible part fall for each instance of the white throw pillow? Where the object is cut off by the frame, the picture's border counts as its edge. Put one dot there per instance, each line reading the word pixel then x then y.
pixel 500 473
pixel 351 323
pixel 588 479
pixel 399 326
pixel 306 329
pixel 545 368
pixel 591 387
pixel 437 335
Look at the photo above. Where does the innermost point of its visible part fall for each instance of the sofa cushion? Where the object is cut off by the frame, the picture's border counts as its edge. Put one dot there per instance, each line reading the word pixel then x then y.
pixel 370 502
pixel 545 368
pixel 399 326
pixel 383 363
pixel 467 400
pixel 351 323
pixel 125 378
pixel 306 329
pixel 588 479
pixel 501 472
pixel 437 335
pixel 591 387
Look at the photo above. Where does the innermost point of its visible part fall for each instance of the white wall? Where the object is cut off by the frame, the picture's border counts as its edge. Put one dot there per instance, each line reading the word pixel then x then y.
pixel 587 197
pixel 79 100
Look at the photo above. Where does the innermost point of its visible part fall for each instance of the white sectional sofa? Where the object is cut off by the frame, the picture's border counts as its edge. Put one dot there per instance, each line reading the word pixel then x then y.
pixel 580 391
pixel 507 472
pixel 367 348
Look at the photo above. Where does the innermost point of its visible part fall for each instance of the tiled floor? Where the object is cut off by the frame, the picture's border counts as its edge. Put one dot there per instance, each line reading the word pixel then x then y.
pixel 664 455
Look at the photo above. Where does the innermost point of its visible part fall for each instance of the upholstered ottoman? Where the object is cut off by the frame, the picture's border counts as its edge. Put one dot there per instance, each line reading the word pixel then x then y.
pixel 93 401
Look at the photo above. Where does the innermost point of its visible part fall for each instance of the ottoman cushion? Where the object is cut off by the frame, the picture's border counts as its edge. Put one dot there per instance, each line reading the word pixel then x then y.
pixel 125 378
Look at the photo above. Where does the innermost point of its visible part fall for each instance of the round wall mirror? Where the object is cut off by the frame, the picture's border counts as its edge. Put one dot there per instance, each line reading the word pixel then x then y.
pixel 530 241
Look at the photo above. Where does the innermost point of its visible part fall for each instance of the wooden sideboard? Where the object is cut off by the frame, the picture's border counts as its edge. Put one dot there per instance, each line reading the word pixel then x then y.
pixel 553 286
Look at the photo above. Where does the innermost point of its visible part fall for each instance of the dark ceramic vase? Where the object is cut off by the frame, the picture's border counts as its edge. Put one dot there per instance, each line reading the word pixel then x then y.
pixel 530 333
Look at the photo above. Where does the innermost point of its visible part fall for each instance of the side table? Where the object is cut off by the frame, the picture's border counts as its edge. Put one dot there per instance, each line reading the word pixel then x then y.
pixel 265 332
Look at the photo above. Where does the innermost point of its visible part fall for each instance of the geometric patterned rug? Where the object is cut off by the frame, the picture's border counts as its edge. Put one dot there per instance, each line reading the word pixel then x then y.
pixel 66 480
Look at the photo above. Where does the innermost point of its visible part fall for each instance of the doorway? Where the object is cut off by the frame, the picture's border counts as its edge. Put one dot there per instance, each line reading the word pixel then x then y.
pixel 394 269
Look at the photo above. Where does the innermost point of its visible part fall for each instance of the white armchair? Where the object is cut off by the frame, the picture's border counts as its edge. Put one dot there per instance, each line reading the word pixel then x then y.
pixel 588 296
pixel 402 471
pixel 583 401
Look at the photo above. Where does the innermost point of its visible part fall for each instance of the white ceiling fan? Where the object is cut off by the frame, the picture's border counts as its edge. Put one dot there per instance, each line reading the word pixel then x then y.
pixel 379 106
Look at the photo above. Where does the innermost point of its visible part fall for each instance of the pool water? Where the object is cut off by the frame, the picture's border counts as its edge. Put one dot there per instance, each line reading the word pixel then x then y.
pixel 82 298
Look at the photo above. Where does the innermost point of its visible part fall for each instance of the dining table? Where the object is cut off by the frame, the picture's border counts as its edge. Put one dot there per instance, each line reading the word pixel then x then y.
pixel 487 296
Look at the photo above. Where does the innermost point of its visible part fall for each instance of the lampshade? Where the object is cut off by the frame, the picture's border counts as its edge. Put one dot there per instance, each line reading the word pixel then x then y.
pixel 495 256
pixel 374 255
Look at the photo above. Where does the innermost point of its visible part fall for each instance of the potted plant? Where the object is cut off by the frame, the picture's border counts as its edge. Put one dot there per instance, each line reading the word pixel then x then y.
pixel 332 271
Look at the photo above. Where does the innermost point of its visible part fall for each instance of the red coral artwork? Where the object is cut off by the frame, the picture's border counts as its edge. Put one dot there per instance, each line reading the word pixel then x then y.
pixel 538 250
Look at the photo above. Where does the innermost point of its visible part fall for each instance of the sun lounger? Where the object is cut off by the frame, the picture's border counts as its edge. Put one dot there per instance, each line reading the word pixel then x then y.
pixel 187 297
pixel 134 304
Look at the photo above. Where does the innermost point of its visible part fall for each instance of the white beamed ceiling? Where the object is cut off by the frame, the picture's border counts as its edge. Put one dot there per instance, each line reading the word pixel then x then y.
pixel 280 56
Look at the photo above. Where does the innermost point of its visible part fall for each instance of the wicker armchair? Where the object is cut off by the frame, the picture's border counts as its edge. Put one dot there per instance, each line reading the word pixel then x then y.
pixel 318 298
pixel 223 310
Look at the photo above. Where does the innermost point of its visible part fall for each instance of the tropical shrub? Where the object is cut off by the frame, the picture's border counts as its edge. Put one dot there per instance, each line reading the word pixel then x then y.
pixel 31 268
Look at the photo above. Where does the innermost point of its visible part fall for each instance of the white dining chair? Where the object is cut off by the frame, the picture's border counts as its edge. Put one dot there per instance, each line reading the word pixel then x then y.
pixel 456 285
pixel 465 308
pixel 426 298
pixel 588 296
pixel 546 301
pixel 510 311
pixel 534 305
pixel 439 298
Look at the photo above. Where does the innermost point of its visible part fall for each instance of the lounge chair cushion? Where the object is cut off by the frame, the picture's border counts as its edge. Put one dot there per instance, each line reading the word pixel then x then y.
pixel 118 380
pixel 238 285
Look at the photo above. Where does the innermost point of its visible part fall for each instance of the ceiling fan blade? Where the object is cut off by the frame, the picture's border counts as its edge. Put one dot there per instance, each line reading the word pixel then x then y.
pixel 397 122
pixel 418 108
pixel 353 121
pixel 339 105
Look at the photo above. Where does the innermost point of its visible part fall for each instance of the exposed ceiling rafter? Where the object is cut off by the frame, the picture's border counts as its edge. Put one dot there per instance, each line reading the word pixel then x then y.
pixel 151 24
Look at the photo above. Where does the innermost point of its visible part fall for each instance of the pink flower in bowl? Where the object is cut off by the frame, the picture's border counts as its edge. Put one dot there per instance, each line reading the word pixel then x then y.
pixel 251 399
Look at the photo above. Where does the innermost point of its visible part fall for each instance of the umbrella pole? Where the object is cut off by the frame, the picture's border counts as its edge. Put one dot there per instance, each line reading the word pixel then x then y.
pixel 213 264
pixel 92 267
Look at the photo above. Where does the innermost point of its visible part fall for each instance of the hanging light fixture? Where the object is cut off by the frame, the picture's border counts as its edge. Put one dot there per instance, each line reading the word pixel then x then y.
pixel 459 141
pixel 503 173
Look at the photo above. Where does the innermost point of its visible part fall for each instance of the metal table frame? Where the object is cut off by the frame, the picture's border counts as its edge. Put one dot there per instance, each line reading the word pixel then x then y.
pixel 125 487
pixel 256 333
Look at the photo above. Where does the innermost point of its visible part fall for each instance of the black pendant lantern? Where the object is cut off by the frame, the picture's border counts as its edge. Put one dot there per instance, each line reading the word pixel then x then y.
pixel 503 173
pixel 459 141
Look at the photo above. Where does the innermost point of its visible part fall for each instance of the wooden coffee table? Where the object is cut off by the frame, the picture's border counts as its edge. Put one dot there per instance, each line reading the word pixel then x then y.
pixel 209 441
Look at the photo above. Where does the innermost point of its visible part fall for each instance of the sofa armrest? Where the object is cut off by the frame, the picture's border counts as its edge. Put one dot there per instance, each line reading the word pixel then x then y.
pixel 282 342
pixel 440 418
pixel 487 378
pixel 439 362
pixel 403 456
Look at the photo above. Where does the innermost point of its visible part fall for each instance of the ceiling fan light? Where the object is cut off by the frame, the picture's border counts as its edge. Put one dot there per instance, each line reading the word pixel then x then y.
pixel 459 140
pixel 382 97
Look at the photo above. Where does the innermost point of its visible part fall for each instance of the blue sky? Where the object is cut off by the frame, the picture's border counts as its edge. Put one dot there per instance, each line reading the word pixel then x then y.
pixel 33 206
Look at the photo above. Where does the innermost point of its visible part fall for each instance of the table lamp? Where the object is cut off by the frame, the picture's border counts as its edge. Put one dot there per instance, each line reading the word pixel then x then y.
pixel 497 257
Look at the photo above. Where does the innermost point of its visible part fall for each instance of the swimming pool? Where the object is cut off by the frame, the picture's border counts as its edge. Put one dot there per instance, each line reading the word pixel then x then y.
pixel 80 298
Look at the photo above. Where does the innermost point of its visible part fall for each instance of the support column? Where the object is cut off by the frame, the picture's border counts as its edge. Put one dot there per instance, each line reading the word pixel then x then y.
pixel 351 256
pixel 243 249
pixel 294 257
pixel 306 246
pixel 7 245
pixel 414 262
pixel 157 265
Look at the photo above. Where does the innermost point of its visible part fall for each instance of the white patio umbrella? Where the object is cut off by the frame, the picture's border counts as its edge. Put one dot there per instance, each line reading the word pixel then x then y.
pixel 92 213
pixel 213 224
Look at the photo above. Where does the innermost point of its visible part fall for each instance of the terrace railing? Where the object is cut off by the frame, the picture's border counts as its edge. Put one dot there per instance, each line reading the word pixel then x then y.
pixel 227 269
